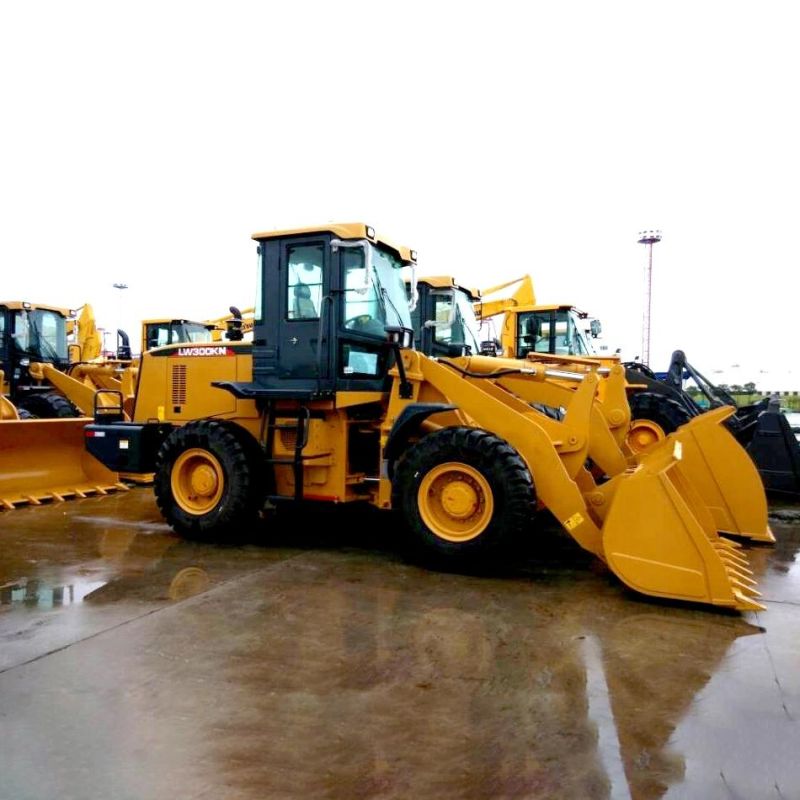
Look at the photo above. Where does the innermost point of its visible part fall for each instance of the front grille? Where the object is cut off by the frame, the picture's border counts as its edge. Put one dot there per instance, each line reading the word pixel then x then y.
pixel 178 384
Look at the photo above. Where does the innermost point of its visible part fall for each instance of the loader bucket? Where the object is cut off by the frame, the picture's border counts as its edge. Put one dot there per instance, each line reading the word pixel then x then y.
pixel 46 459
pixel 724 476
pixel 659 538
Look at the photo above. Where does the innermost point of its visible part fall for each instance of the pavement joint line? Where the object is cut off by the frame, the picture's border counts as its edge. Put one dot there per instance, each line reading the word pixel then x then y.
pixel 777 681
pixel 196 600
pixel 781 602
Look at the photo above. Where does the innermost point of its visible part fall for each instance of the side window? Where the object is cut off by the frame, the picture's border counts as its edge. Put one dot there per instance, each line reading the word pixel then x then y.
pixel 443 314
pixel 157 336
pixel 304 285
pixel 530 336
pixel 563 334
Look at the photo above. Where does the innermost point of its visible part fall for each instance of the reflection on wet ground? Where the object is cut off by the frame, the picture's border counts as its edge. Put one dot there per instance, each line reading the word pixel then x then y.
pixel 317 662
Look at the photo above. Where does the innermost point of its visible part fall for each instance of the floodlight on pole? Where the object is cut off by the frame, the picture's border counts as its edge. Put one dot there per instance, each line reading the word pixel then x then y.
pixel 648 238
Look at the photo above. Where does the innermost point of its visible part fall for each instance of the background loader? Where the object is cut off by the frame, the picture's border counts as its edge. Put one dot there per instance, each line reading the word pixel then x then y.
pixel 30 334
pixel 328 404
pixel 445 324
pixel 42 455
pixel 660 402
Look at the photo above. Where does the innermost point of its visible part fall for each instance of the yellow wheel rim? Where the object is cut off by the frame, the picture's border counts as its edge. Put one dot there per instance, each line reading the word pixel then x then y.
pixel 197 481
pixel 643 434
pixel 455 502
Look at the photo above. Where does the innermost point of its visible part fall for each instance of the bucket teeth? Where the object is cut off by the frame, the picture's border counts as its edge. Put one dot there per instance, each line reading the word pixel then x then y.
pixel 745 579
pixel 730 543
pixel 732 558
pixel 738 567
pixel 745 589
pixel 746 604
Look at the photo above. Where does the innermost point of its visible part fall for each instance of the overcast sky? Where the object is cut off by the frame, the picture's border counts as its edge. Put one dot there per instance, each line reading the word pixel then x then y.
pixel 143 143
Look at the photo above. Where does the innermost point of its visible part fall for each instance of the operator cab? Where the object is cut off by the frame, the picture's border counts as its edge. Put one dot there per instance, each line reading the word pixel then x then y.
pixel 331 309
pixel 444 318
pixel 31 333
pixel 163 332
pixel 558 330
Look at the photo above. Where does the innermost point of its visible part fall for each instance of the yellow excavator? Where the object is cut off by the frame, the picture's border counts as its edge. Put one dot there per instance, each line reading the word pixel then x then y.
pixel 329 404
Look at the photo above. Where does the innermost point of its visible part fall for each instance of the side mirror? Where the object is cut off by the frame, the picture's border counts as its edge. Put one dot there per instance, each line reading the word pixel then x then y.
pixel 397 336
pixel 595 328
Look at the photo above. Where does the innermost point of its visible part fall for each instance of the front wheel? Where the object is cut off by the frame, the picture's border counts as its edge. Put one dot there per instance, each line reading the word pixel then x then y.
pixel 465 495
pixel 48 406
pixel 207 480
pixel 653 417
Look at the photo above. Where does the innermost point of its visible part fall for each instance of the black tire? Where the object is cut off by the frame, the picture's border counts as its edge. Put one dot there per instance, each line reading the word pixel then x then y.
pixel 230 504
pixel 25 414
pixel 667 413
pixel 48 406
pixel 513 497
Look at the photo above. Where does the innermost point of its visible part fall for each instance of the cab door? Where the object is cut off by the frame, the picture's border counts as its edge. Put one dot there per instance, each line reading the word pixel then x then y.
pixel 305 311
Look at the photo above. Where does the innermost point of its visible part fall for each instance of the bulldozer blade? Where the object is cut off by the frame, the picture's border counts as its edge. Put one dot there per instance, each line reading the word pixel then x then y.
pixel 658 539
pixel 776 454
pixel 46 460
pixel 724 476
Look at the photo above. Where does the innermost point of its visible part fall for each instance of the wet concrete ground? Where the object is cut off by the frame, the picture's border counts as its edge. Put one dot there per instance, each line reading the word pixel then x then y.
pixel 313 663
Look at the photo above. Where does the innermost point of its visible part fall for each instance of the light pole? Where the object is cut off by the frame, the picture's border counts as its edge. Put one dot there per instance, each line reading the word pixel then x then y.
pixel 649 238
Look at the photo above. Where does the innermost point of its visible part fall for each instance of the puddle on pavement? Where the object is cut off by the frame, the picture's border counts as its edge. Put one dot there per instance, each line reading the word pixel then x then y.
pixel 60 556
pixel 40 595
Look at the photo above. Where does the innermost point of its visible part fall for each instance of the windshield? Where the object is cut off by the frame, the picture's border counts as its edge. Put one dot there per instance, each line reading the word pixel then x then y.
pixel 465 316
pixel 455 326
pixel 376 300
pixel 388 270
pixel 41 334
pixel 553 331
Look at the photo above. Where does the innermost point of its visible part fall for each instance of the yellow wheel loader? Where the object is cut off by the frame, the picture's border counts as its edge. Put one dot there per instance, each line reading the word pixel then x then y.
pixel 42 454
pixel 659 403
pixel 445 324
pixel 329 404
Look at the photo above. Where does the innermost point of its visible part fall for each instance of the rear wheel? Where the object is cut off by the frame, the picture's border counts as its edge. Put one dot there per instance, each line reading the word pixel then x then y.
pixel 464 493
pixel 207 480
pixel 653 417
pixel 48 406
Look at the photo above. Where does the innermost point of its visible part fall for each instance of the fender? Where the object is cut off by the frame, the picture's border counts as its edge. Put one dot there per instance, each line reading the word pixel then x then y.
pixel 405 426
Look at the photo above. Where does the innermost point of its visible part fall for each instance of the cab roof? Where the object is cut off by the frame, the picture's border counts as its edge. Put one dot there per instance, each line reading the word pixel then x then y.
pixel 18 305
pixel 448 282
pixel 342 230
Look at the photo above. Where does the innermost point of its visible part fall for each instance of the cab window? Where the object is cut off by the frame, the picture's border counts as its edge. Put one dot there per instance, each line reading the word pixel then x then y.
pixel 304 284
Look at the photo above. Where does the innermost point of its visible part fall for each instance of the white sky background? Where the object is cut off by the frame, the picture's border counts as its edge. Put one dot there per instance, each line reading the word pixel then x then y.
pixel 143 143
